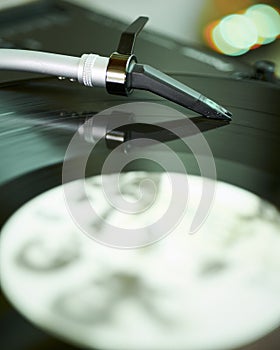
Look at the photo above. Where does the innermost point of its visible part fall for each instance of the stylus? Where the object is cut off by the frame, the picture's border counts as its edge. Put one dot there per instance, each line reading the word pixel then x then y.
pixel 95 71
pixel 148 78
pixel 120 73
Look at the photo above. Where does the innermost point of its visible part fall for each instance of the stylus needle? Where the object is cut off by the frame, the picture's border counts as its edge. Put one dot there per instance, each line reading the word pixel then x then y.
pixel 144 77
pixel 124 74
pixel 119 74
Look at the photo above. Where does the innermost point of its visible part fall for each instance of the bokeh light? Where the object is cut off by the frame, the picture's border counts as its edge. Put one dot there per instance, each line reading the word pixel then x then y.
pixel 267 21
pixel 236 34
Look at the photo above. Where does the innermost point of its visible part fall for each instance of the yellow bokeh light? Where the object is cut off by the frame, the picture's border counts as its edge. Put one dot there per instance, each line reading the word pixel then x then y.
pixel 267 21
pixel 235 34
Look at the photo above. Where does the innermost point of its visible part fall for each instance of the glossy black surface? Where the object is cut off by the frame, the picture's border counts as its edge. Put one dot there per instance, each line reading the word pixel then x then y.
pixel 249 144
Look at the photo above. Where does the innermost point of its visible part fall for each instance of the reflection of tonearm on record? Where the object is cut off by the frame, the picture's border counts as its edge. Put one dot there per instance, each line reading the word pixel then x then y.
pixel 117 127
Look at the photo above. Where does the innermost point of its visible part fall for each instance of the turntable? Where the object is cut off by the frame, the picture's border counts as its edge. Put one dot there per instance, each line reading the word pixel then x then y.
pixel 216 289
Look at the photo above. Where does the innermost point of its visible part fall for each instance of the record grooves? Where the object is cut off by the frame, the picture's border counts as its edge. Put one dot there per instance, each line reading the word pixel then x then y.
pixel 40 116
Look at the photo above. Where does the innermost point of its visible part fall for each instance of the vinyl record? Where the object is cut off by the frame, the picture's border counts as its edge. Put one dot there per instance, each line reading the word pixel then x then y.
pixel 40 116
